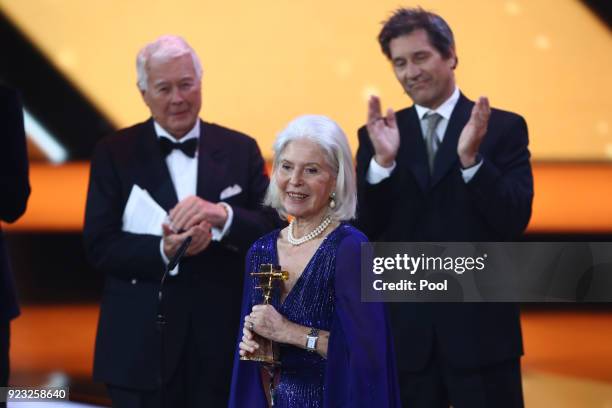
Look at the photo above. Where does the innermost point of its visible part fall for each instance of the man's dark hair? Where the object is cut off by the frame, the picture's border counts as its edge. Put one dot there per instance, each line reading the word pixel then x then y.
pixel 406 20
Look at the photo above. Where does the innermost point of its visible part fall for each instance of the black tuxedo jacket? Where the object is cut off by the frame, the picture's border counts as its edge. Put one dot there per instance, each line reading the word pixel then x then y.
pixel 204 298
pixel 412 206
pixel 14 188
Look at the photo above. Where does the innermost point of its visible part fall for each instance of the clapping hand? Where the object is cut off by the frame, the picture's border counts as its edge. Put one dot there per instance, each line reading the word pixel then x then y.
pixel 200 239
pixel 383 132
pixel 193 210
pixel 473 133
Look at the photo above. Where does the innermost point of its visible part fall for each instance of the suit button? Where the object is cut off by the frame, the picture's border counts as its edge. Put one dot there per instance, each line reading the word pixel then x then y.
pixel 134 281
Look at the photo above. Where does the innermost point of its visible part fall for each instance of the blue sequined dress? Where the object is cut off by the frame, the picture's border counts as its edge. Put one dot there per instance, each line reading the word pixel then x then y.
pixel 360 367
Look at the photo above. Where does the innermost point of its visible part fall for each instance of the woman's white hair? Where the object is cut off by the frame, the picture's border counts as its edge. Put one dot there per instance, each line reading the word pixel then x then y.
pixel 331 139
pixel 164 48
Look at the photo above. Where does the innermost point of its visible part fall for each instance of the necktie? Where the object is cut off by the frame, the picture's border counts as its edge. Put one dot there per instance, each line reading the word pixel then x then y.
pixel 188 147
pixel 431 141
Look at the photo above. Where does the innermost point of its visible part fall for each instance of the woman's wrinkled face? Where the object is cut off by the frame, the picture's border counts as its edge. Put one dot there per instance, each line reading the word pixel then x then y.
pixel 305 179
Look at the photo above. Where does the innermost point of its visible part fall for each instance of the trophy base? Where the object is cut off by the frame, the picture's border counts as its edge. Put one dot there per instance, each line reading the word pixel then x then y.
pixel 268 353
pixel 261 359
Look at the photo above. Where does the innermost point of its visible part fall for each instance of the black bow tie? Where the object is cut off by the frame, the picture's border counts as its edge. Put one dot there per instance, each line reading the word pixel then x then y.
pixel 188 147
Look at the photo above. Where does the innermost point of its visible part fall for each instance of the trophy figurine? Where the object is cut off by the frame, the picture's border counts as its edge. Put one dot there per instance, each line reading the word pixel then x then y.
pixel 268 280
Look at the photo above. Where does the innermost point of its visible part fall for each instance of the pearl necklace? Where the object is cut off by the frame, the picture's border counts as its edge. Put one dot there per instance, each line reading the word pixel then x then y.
pixel 311 235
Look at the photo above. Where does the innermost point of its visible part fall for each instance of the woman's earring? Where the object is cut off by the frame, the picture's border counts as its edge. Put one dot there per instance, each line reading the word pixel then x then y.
pixel 332 200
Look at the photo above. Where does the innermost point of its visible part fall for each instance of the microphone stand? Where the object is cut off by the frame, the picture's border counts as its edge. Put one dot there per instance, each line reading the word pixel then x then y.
pixel 161 318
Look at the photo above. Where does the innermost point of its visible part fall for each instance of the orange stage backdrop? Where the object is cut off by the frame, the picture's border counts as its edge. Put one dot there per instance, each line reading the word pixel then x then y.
pixel 268 61
pixel 265 62
pixel 569 198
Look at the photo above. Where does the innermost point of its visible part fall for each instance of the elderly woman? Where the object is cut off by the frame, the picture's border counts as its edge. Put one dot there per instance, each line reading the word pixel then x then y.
pixel 334 349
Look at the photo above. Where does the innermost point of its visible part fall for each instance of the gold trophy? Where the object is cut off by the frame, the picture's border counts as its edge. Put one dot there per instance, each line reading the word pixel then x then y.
pixel 268 280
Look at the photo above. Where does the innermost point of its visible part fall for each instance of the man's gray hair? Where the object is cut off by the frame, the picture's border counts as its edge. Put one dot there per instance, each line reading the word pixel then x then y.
pixel 166 47
pixel 331 139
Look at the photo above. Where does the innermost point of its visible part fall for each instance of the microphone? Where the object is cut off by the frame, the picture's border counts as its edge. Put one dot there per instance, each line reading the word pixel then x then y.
pixel 179 254
pixel 161 318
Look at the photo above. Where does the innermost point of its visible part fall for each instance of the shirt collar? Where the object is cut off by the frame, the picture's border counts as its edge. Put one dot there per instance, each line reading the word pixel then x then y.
pixel 443 110
pixel 193 133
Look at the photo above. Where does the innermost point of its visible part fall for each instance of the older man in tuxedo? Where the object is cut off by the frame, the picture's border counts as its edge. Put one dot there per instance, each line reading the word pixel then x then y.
pixel 210 181
pixel 445 169
pixel 15 190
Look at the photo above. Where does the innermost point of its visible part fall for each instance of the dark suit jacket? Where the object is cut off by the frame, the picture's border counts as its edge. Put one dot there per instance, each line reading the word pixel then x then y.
pixel 14 187
pixel 204 298
pixel 409 206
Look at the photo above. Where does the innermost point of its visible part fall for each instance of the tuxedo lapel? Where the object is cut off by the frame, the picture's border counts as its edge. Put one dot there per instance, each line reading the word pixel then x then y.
pixel 446 157
pixel 210 163
pixel 155 177
pixel 412 146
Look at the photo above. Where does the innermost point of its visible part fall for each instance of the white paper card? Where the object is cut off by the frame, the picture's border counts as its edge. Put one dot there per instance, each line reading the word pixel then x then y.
pixel 142 214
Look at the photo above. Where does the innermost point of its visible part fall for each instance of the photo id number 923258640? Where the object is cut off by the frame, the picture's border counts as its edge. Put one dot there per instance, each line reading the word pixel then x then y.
pixel 14 394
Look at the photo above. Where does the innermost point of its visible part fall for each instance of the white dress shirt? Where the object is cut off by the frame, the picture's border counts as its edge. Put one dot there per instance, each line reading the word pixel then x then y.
pixel 376 173
pixel 184 174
